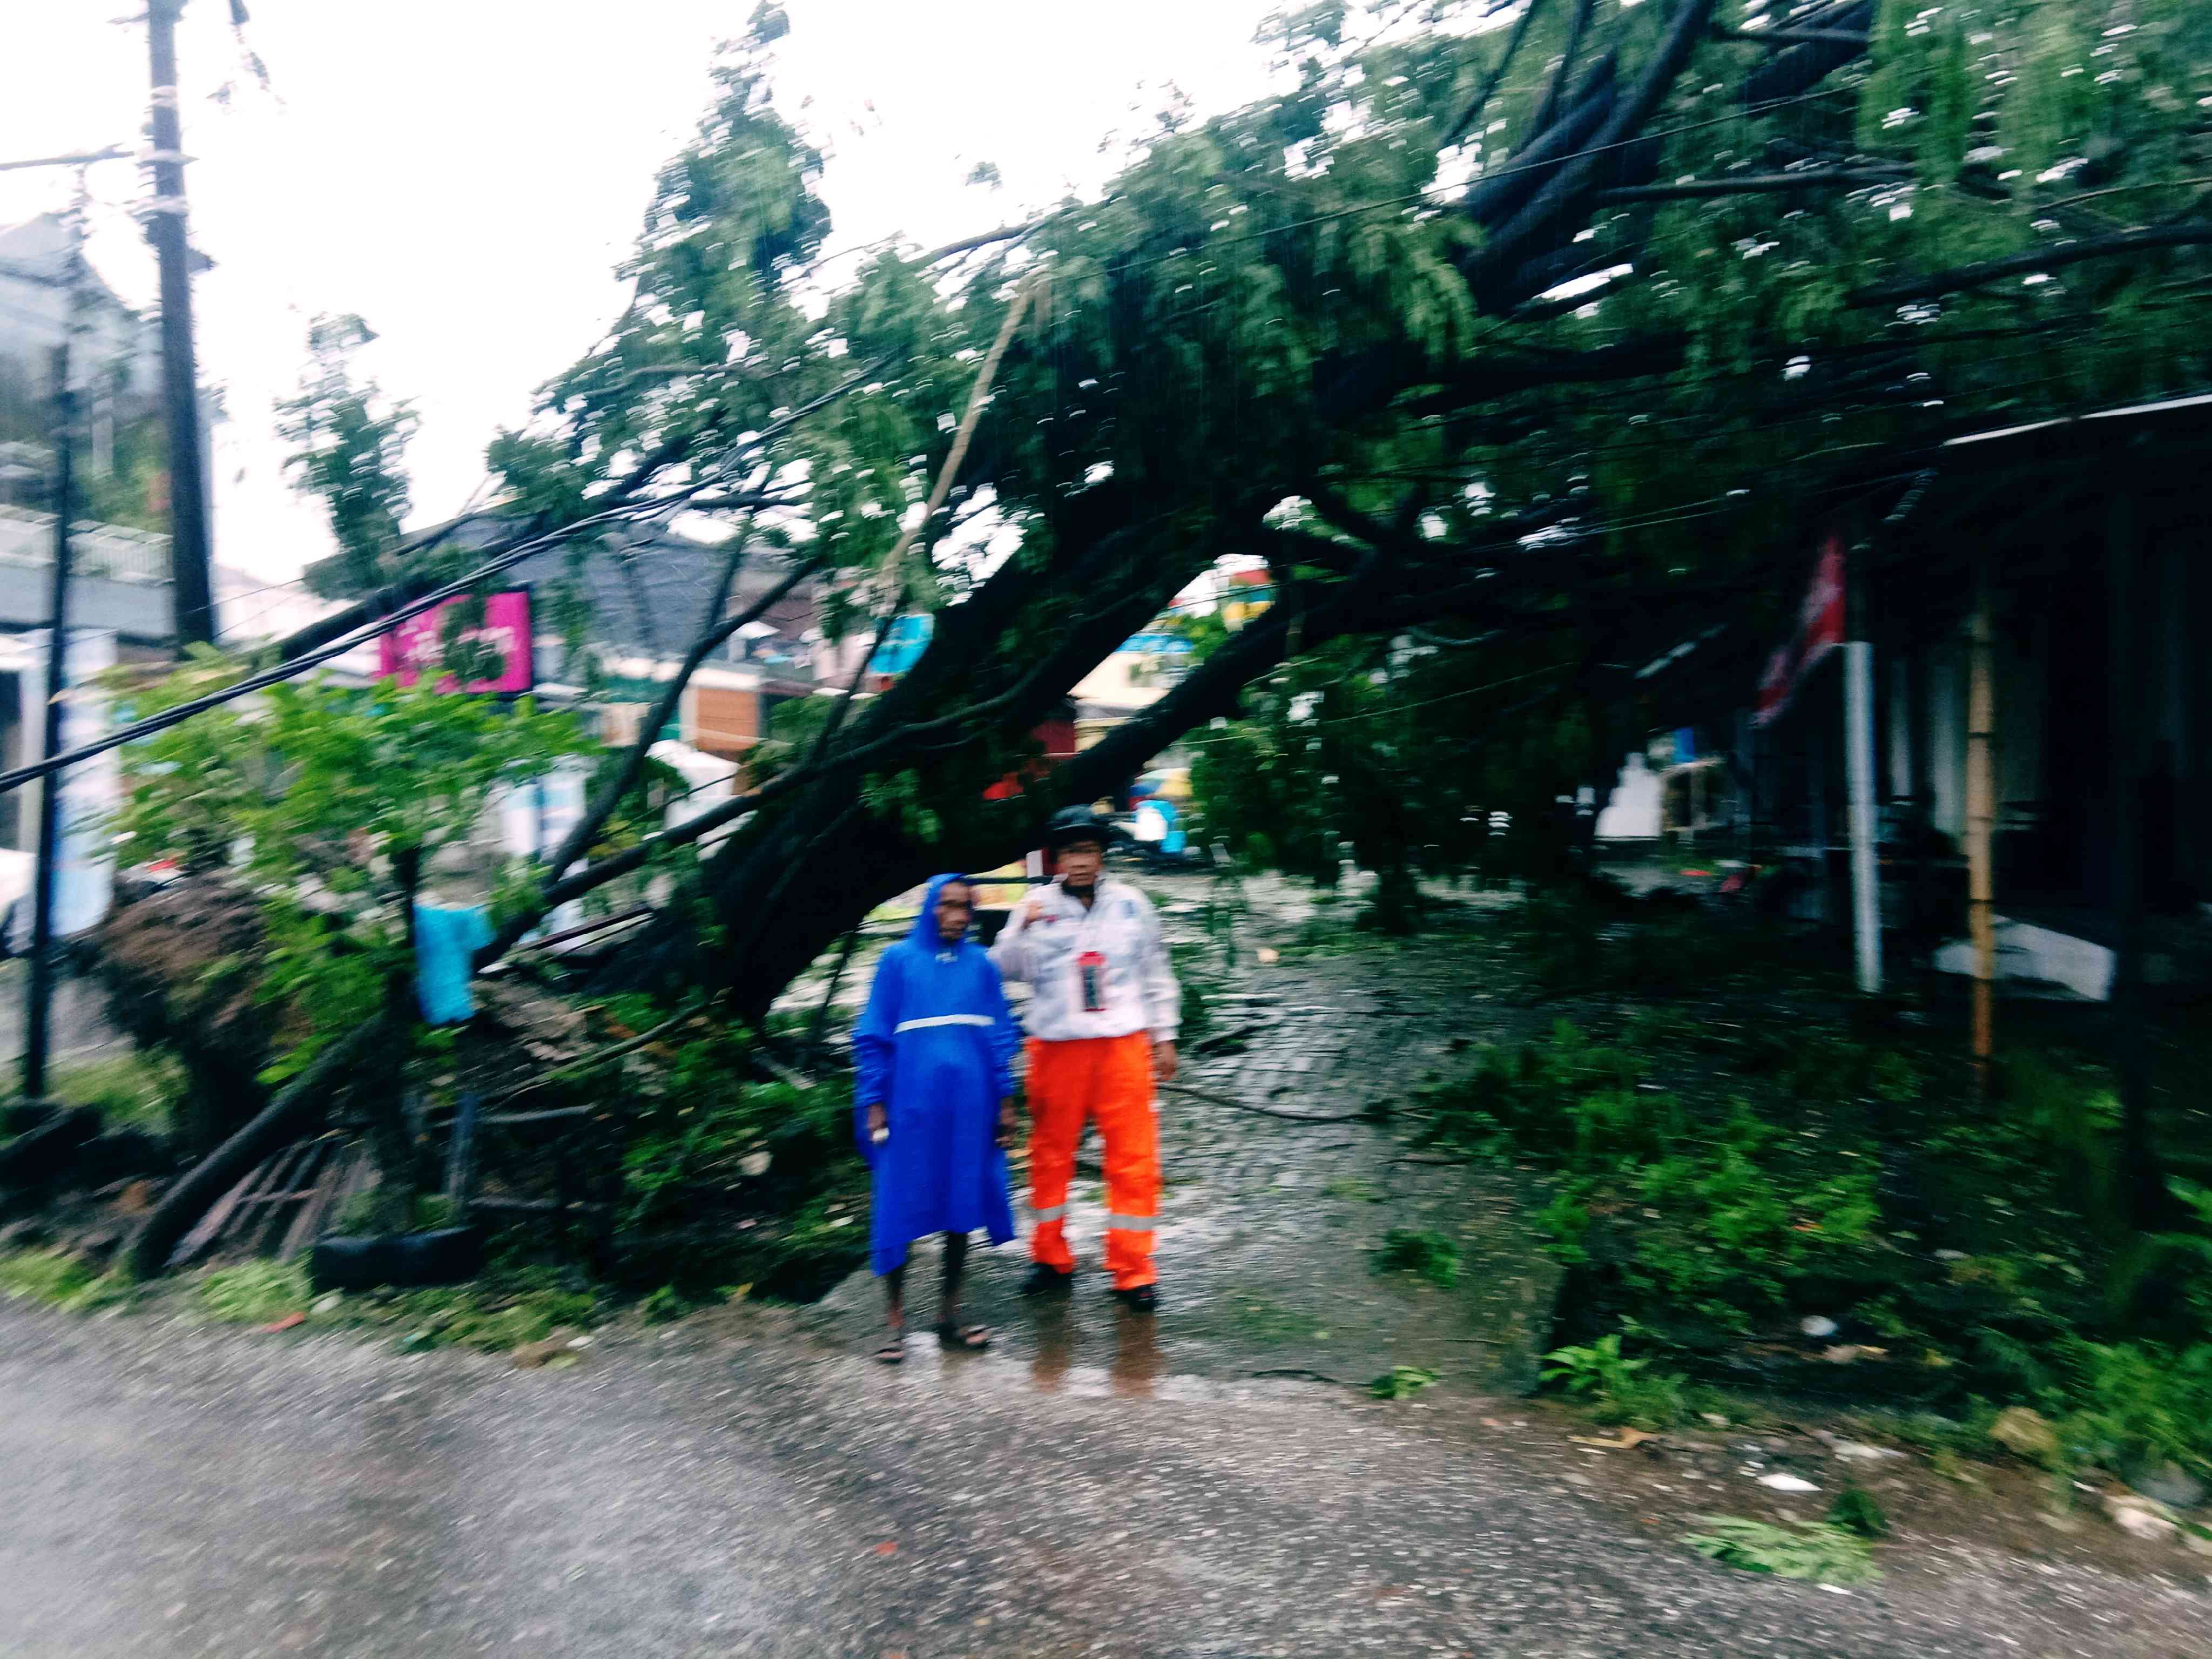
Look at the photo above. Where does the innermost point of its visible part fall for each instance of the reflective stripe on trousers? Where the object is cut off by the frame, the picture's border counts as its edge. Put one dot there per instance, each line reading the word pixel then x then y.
pixel 1107 1080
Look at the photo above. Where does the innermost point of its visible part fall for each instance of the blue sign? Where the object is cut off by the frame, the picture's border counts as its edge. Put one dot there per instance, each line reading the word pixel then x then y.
pixel 904 644
pixel 1157 645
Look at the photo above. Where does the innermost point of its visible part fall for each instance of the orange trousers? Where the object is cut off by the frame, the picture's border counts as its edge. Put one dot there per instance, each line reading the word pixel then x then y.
pixel 1109 1080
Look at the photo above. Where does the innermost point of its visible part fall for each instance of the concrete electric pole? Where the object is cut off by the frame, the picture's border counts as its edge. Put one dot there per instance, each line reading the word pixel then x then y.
pixel 190 561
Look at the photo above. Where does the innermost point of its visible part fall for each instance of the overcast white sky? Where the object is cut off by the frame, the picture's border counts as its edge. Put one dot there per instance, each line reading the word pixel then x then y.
pixel 465 173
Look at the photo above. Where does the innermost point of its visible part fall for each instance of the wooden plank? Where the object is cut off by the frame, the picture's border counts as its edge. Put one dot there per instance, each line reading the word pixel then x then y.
pixel 205 1230
pixel 337 1175
pixel 509 1120
pixel 219 1222
pixel 260 1232
pixel 540 1205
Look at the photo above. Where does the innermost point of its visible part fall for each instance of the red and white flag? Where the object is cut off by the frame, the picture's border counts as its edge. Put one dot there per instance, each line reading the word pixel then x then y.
pixel 1820 630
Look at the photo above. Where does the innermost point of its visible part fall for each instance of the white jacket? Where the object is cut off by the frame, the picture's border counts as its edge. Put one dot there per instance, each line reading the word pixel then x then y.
pixel 1138 986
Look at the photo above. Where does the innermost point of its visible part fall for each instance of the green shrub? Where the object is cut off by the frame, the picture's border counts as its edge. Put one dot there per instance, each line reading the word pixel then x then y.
pixel 254 1292
pixel 1622 1389
pixel 1566 1219
pixel 51 1276
pixel 1401 1382
pixel 1854 1510
pixel 1427 1255
pixel 2137 1404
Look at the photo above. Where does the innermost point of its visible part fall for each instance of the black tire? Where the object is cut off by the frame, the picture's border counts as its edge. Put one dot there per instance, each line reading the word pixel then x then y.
pixel 446 1256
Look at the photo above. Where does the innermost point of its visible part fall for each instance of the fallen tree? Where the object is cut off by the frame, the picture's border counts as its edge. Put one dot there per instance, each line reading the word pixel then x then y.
pixel 1282 336
pixel 1430 376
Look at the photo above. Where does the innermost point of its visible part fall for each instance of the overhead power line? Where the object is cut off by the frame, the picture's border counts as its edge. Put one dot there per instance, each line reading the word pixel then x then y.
pixel 317 655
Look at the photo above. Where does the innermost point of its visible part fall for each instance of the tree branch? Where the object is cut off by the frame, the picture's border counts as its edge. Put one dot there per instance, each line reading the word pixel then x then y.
pixel 1790 37
pixel 1753 183
pixel 1552 93
pixel 1495 196
pixel 1518 238
pixel 1481 380
pixel 1480 101
pixel 580 839
pixel 978 395
pixel 387 600
pixel 2027 264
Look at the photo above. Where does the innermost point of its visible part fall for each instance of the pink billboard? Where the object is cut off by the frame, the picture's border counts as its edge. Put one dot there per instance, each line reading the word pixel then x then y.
pixel 418 643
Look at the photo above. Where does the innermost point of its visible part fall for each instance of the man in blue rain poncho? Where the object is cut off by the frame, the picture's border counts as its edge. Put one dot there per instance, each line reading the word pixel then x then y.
pixel 934 1105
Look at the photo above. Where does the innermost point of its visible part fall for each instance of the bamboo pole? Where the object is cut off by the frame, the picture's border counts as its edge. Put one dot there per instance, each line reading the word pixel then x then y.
pixel 894 568
pixel 1981 821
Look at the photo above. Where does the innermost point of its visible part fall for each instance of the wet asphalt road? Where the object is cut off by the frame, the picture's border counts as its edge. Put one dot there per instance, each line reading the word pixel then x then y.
pixel 748 1483
pixel 736 1488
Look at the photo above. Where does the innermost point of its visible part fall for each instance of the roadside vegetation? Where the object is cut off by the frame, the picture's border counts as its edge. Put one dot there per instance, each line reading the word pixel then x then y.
pixel 1760 1181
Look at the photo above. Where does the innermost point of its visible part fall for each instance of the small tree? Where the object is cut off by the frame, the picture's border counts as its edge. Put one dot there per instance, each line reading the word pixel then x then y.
pixel 331 806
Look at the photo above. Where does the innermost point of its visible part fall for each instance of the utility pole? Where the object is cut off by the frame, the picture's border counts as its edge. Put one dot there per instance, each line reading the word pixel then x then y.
pixel 191 578
pixel 38 1010
pixel 1858 768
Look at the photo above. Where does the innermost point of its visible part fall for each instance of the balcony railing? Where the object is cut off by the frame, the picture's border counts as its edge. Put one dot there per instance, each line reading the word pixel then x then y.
pixel 98 549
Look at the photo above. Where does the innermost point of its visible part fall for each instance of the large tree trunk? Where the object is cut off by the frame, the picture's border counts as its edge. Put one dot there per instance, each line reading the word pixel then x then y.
pixel 782 892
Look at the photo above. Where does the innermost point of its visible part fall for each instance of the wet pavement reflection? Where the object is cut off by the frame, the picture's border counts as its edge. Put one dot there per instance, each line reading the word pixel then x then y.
pixel 1268 1227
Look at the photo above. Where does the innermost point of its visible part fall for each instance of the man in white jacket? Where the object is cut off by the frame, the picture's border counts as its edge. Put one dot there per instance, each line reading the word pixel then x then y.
pixel 1103 1014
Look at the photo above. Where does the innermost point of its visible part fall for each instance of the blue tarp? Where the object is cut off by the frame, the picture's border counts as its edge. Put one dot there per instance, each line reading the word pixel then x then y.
pixel 445 941
pixel 908 638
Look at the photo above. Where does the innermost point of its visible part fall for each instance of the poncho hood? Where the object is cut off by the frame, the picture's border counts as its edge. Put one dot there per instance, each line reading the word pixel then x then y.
pixel 923 934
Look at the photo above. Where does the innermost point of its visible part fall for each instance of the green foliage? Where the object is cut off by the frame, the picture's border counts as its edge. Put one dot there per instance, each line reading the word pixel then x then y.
pixel 329 802
pixel 1358 748
pixel 1730 1216
pixel 1595 1370
pixel 665 1306
pixel 727 1179
pixel 1621 1389
pixel 54 1277
pixel 899 799
pixel 2138 1405
pixel 1402 1382
pixel 1856 1511
pixel 1823 1553
pixel 1427 1255
pixel 256 1292
pixel 494 1316
pixel 350 449
pixel 1565 1219
pixel 137 1090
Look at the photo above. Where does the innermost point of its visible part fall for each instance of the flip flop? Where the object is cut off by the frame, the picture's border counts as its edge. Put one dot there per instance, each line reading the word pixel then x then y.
pixel 974 1339
pixel 893 1352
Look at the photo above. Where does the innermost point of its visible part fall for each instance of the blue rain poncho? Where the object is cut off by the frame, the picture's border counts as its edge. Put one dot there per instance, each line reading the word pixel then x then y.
pixel 936 1048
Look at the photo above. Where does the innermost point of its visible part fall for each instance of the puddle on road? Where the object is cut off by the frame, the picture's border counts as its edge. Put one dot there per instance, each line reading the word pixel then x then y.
pixel 1267 1232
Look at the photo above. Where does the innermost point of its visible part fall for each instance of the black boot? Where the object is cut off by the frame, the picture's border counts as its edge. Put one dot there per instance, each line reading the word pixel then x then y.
pixel 1140 1298
pixel 1045 1279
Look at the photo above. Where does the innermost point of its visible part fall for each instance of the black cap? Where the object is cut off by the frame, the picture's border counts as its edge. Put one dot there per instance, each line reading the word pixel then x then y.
pixel 1079 823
